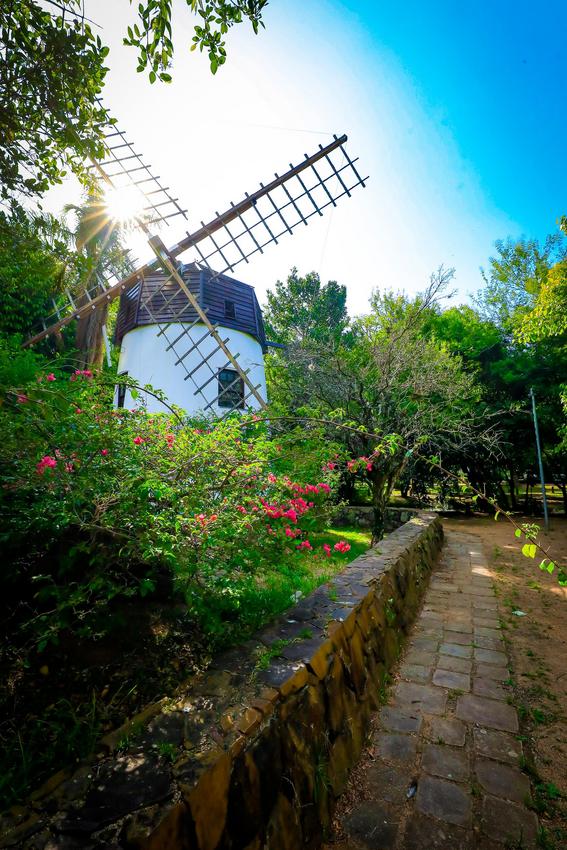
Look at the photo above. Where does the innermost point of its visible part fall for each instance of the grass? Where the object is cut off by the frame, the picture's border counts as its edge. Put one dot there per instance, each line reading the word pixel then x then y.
pixel 236 611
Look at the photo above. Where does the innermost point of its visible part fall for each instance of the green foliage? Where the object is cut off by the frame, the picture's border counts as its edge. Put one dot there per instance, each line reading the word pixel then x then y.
pixel 391 389
pixel 99 505
pixel 34 264
pixel 301 309
pixel 51 73
pixel 152 35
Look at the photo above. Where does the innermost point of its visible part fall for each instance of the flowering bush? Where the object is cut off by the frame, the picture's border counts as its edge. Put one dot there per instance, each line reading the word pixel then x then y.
pixel 101 504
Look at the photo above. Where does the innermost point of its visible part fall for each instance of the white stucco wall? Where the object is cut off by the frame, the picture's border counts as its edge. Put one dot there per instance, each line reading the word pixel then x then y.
pixel 143 355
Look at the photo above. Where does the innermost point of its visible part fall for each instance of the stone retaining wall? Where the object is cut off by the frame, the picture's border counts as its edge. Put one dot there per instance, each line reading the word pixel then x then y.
pixel 362 516
pixel 254 753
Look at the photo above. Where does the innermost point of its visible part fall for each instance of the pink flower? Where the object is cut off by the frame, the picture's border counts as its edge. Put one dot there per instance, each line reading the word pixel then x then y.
pixel 50 377
pixel 46 462
pixel 78 410
pixel 104 452
pixel 305 544
pixel 138 441
pixel 242 509
pixel 170 439
pixel 330 466
pixel 341 546
pixel 292 532
pixel 324 487
pixel 22 399
pixel 291 514
pixel 327 550
pixel 69 467
pixel 272 478
pixel 369 466
pixel 351 464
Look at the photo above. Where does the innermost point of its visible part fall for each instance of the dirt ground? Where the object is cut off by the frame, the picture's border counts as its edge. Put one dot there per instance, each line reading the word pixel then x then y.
pixel 538 649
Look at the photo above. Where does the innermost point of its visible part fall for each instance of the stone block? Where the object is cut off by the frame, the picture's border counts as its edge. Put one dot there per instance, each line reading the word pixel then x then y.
pixel 497 745
pixel 455 650
pixel 376 826
pixel 452 681
pixel 509 823
pixel 487 712
pixel 446 730
pixel 427 699
pixel 447 762
pixel 501 780
pixel 415 673
pixel 424 833
pixel 395 720
pixel 397 748
pixel 490 656
pixel 457 665
pixel 444 800
pixel 489 688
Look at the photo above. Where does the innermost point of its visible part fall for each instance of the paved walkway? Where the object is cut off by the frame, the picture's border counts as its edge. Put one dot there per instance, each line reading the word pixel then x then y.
pixel 444 772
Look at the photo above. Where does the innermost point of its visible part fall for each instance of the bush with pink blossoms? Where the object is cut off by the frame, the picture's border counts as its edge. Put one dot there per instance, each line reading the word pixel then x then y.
pixel 100 505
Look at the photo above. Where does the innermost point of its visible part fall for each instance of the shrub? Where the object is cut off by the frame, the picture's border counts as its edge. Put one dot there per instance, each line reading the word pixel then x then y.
pixel 100 505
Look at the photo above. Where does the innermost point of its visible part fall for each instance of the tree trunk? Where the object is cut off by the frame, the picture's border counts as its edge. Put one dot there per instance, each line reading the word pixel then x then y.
pixel 564 492
pixel 513 497
pixel 89 338
pixel 379 499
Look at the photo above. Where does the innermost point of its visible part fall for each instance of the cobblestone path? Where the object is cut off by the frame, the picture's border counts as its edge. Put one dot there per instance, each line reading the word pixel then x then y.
pixel 443 770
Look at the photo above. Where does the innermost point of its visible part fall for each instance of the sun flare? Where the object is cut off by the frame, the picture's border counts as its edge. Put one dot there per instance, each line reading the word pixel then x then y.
pixel 123 203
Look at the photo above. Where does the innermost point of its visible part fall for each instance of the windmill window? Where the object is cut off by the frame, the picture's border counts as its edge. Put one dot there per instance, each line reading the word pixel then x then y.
pixel 231 389
pixel 229 310
pixel 121 394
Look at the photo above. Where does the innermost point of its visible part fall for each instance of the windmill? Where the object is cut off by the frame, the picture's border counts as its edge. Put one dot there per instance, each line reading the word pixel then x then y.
pixel 184 324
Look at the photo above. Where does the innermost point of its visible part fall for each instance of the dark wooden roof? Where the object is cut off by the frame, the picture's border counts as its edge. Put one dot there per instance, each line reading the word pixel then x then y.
pixel 156 300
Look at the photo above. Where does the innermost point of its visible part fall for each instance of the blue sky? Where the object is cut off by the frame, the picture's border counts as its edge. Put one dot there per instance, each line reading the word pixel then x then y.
pixel 457 111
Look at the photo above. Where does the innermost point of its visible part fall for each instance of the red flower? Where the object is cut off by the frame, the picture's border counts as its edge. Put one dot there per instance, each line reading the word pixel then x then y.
pixel 50 377
pixel 104 452
pixel 22 399
pixel 138 440
pixel 330 465
pixel 78 410
pixel 305 544
pixel 341 546
pixel 242 509
pixel 46 462
pixel 327 549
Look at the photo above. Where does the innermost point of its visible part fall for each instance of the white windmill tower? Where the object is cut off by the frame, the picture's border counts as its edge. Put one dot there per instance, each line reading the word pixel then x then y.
pixel 184 325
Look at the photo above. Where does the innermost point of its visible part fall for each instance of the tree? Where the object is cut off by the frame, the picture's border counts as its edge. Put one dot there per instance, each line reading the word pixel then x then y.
pixel 52 72
pixel 396 391
pixel 517 274
pixel 98 239
pixel 548 318
pixel 302 309
pixel 35 264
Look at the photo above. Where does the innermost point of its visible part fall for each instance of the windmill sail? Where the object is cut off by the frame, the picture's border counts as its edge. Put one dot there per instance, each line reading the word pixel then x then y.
pixel 229 239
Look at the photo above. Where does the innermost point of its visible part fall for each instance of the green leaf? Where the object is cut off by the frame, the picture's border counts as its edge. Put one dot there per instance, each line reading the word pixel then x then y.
pixel 529 550
pixel 496 515
pixel 518 532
